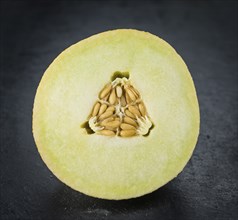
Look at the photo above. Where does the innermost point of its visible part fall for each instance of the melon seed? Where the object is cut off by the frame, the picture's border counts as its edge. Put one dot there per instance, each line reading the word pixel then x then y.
pixel 127 133
pixel 106 115
pixel 125 126
pixel 119 91
pixel 131 115
pixel 112 97
pixel 131 94
pixel 128 120
pixel 105 91
pixel 142 108
pixel 95 109
pixel 112 124
pixel 106 132
pixel 134 110
pixel 102 109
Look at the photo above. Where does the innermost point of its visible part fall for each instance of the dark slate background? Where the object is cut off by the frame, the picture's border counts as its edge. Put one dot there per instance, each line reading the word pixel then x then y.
pixel 203 32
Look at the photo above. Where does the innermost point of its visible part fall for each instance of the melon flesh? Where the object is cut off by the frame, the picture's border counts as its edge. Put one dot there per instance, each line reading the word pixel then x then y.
pixel 116 167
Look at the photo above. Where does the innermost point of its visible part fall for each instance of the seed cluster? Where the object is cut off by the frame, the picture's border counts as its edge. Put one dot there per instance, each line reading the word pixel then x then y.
pixel 119 111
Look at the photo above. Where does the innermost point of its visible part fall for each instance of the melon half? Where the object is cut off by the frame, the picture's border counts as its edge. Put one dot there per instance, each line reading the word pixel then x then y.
pixel 111 165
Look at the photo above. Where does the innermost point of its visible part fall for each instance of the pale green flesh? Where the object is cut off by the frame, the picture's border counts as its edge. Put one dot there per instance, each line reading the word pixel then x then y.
pixel 114 167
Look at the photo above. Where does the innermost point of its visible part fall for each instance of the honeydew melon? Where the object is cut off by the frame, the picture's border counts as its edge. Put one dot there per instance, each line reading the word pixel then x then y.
pixel 116 167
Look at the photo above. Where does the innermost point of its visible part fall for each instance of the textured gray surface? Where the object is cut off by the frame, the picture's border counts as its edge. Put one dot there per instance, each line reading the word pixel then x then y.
pixel 203 32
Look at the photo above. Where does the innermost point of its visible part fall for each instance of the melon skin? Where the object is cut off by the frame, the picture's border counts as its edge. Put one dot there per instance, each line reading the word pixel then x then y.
pixel 112 167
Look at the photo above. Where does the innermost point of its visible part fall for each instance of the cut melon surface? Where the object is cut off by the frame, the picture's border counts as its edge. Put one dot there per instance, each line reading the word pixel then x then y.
pixel 115 167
